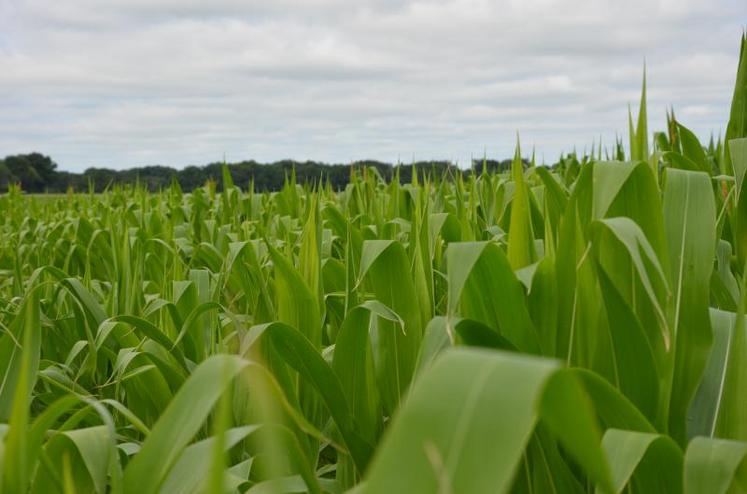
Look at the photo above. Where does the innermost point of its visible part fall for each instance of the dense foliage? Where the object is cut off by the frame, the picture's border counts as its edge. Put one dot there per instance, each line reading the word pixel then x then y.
pixel 35 172
pixel 565 330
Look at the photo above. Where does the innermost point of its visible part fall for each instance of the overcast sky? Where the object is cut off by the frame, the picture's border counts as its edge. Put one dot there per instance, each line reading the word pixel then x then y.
pixel 123 83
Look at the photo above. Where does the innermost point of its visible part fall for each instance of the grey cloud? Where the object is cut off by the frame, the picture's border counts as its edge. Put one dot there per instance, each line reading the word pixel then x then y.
pixel 132 82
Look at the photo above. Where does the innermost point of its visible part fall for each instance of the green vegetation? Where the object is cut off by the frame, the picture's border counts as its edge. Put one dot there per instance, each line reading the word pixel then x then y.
pixel 570 330
pixel 35 173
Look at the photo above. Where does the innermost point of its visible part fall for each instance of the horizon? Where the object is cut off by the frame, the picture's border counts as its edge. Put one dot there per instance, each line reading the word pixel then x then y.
pixel 475 161
pixel 175 84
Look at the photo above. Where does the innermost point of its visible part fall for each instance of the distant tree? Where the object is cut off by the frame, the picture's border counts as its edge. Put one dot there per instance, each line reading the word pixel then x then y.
pixel 494 166
pixel 37 172
pixel 100 178
pixel 33 171
pixel 6 176
pixel 43 165
pixel 191 177
pixel 20 168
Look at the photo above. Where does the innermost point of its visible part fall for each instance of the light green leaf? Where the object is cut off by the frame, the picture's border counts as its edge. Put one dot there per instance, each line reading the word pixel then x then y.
pixel 180 422
pixel 713 466
pixel 437 445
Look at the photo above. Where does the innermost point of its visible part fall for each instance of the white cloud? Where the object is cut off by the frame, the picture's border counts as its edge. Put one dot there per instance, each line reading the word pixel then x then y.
pixel 132 82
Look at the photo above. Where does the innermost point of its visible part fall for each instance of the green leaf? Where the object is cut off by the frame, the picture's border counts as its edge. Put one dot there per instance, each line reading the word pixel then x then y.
pixel 612 234
pixel 18 380
pixel 485 288
pixel 353 363
pixel 642 461
pixel 737 126
pixel 521 250
pixel 731 410
pixel 690 218
pixel 634 362
pixel 738 150
pixel 190 469
pixel 89 448
pixel 437 445
pixel 609 179
pixel 298 352
pixel 713 466
pixel 614 410
pixel 692 150
pixel 704 411
pixel 180 422
pixel 297 305
pixel 384 264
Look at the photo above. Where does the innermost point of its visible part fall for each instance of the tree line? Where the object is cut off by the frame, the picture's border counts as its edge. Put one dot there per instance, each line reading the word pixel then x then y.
pixel 36 173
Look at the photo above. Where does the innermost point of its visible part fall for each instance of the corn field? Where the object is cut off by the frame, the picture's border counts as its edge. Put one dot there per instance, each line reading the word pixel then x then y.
pixel 549 330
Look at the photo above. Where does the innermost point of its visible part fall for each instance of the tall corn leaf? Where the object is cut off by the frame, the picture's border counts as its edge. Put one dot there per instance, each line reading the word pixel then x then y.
pixel 19 378
pixel 690 217
pixel 521 248
pixel 438 445
pixel 483 287
pixel 715 466
pixel 706 405
pixel 385 265
pixel 643 462
pixel 737 126
pixel 295 349
pixel 180 422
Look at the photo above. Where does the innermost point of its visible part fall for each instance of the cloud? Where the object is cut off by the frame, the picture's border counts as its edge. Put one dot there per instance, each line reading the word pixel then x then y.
pixel 184 81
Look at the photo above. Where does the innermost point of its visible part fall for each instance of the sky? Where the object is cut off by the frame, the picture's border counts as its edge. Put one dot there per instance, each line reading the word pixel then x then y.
pixel 123 83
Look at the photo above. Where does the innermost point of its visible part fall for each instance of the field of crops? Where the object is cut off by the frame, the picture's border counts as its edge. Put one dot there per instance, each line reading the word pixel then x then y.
pixel 565 330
